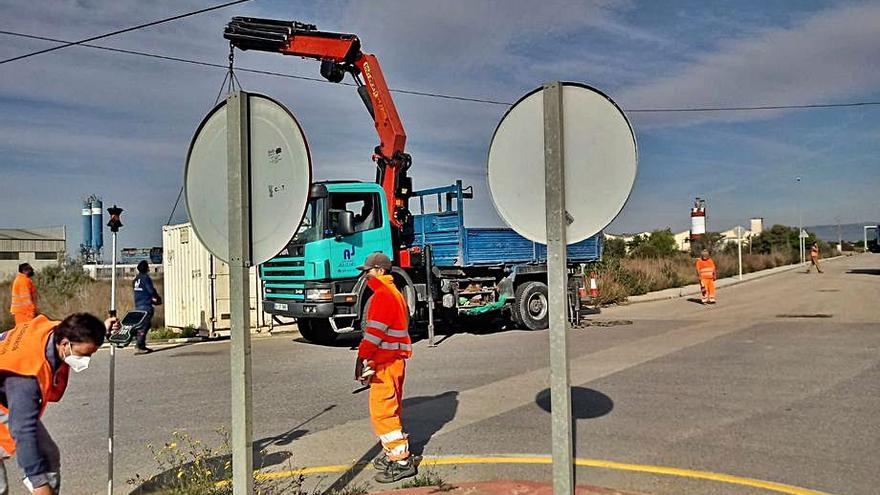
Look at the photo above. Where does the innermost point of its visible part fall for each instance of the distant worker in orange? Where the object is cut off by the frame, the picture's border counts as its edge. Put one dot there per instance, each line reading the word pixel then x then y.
pixel 24 295
pixel 381 363
pixel 814 258
pixel 706 272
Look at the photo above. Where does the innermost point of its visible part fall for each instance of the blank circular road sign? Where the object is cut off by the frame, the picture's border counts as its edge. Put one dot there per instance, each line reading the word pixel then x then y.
pixel 600 159
pixel 280 175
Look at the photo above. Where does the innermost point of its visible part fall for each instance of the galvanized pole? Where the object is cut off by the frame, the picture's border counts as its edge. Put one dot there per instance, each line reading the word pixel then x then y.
pixel 429 267
pixel 111 400
pixel 800 219
pixel 557 283
pixel 739 249
pixel 238 149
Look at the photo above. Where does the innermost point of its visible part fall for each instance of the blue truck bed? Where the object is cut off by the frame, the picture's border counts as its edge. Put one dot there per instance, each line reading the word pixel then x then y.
pixel 454 245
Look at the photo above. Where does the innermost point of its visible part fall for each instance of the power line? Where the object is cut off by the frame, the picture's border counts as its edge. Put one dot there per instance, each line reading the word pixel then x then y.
pixel 431 94
pixel 121 31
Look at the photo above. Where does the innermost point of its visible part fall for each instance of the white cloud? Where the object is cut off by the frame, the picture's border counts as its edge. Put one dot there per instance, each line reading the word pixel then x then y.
pixel 834 54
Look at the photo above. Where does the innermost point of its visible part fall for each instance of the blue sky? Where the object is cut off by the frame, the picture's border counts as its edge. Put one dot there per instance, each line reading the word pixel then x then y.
pixel 80 121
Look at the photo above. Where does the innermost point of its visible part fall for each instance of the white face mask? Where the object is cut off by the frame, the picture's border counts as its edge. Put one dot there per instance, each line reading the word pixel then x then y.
pixel 76 363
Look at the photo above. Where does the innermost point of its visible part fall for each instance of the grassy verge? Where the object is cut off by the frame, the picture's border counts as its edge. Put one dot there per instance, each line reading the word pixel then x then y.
pixel 66 289
pixel 620 278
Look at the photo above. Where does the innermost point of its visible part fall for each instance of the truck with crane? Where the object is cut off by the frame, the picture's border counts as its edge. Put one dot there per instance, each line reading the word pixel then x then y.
pixel 444 269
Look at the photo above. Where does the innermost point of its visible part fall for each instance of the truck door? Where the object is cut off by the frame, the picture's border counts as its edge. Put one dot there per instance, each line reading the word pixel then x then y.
pixel 370 232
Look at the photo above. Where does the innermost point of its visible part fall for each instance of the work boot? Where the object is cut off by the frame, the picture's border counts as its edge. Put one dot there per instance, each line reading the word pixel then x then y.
pixel 381 463
pixel 396 471
pixel 145 350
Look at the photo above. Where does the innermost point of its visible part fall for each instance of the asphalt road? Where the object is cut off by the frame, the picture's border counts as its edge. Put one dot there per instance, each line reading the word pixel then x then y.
pixel 780 381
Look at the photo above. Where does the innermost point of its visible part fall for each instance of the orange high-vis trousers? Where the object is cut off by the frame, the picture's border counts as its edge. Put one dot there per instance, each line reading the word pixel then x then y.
pixel 707 286
pixel 386 404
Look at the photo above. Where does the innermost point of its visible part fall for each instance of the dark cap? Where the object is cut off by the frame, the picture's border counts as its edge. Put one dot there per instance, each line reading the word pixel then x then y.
pixel 376 260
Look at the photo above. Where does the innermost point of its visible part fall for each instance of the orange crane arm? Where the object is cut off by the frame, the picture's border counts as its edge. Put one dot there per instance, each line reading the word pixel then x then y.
pixel 339 54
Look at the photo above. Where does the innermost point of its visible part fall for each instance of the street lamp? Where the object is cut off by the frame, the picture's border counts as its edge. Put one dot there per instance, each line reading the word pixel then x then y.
pixel 801 247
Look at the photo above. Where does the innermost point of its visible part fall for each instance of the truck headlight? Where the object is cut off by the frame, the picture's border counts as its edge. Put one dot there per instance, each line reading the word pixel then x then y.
pixel 318 295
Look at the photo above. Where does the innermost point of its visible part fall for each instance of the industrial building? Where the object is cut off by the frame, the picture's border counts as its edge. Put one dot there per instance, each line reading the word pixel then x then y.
pixel 40 247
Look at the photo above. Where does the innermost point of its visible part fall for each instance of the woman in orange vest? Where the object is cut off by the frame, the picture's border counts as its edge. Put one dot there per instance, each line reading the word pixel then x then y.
pixel 24 296
pixel 35 360
pixel 706 272
pixel 381 362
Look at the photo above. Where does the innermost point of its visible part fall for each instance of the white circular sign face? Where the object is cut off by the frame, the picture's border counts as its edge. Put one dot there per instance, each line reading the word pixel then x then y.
pixel 600 163
pixel 281 176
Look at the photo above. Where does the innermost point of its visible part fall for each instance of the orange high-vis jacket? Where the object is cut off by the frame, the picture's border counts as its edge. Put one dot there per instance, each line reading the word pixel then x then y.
pixel 23 352
pixel 814 252
pixel 706 268
pixel 24 295
pixel 386 336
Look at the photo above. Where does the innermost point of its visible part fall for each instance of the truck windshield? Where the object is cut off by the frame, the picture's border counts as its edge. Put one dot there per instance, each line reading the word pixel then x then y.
pixel 312 224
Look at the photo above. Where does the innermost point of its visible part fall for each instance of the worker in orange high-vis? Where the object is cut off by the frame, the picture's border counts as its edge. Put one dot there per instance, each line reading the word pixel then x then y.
pixel 35 361
pixel 381 363
pixel 24 295
pixel 814 258
pixel 706 272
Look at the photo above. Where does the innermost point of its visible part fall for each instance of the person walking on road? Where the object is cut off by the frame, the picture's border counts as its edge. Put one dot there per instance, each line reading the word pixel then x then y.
pixel 707 273
pixel 24 295
pixel 381 363
pixel 145 298
pixel 35 361
pixel 814 258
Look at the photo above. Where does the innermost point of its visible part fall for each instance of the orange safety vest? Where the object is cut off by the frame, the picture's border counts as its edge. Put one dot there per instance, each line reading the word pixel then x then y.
pixel 23 352
pixel 386 336
pixel 814 252
pixel 706 268
pixel 24 295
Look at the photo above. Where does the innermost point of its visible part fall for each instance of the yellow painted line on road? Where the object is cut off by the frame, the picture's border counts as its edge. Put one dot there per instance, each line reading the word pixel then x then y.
pixel 594 463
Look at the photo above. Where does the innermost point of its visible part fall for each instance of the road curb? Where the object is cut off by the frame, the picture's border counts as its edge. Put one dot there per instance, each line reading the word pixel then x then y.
pixel 502 487
pixel 694 289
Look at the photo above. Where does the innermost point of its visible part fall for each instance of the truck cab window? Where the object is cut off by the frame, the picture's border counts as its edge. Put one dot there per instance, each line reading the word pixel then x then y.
pixel 365 206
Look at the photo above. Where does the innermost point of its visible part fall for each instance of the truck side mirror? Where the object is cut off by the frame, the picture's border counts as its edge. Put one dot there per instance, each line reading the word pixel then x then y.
pixel 345 224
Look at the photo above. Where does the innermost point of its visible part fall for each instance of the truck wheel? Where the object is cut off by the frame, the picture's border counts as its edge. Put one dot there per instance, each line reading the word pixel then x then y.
pixel 317 330
pixel 532 307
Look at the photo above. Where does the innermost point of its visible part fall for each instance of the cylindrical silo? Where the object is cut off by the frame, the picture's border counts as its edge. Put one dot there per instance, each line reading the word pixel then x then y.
pixel 87 224
pixel 97 224
pixel 698 218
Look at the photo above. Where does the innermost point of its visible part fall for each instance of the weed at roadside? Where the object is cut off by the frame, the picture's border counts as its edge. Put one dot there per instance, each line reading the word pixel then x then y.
pixel 190 467
pixel 427 477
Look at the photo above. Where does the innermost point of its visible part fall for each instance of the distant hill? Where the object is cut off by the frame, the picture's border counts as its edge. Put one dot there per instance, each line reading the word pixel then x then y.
pixel 849 231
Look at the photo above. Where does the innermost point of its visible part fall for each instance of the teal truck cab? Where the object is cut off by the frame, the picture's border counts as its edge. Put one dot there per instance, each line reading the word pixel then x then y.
pixel 438 262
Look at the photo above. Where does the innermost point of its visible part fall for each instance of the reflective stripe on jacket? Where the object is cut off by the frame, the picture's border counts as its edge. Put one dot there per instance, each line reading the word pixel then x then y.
pixel 24 295
pixel 706 268
pixel 23 352
pixel 386 333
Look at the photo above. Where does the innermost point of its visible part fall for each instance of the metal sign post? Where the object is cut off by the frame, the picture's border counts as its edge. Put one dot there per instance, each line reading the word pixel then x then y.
pixel 234 215
pixel 739 249
pixel 238 176
pixel 590 142
pixel 557 283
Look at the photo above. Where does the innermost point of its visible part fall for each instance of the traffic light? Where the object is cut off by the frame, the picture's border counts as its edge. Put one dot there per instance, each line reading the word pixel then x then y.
pixel 114 222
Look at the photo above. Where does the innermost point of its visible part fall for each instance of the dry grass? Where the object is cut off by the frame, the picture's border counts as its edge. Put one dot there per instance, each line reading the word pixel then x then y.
pixel 620 278
pixel 82 296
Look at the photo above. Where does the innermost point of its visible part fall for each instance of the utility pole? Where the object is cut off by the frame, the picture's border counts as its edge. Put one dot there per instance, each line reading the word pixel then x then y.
pixel 800 219
pixel 839 237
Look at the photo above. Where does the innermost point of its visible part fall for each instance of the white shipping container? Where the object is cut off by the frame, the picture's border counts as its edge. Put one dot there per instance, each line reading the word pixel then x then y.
pixel 197 285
